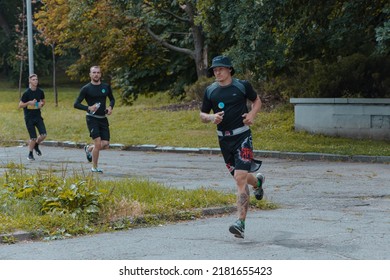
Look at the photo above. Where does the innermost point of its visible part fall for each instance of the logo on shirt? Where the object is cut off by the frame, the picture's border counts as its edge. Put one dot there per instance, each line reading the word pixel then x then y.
pixel 103 90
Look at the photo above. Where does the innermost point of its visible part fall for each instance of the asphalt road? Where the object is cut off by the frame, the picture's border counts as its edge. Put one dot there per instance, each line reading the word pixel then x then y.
pixel 329 210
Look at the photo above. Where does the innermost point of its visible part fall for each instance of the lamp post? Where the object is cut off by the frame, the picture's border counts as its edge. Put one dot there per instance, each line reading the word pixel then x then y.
pixel 30 38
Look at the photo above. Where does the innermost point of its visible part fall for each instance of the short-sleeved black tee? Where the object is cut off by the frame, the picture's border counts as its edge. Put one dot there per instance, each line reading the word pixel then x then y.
pixel 232 101
pixel 32 111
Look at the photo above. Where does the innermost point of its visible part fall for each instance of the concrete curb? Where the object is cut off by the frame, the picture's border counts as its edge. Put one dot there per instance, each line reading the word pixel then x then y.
pixel 205 150
pixel 16 237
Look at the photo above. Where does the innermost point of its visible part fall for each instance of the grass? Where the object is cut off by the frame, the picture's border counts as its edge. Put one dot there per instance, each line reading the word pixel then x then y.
pixel 146 123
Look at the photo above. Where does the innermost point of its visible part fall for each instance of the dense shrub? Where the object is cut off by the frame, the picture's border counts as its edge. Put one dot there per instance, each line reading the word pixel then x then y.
pixel 197 89
pixel 355 76
pixel 54 194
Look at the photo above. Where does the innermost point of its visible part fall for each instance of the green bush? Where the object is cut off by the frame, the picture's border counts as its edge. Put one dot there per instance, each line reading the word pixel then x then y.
pixel 355 76
pixel 197 89
pixel 52 194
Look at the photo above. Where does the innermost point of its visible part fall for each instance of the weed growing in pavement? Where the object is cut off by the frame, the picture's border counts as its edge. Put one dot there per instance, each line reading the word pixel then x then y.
pixel 54 207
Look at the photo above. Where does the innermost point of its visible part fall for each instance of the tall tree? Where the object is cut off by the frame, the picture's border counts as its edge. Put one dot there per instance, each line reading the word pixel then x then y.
pixel 100 33
pixel 301 43
pixel 146 45
pixel 7 20
pixel 134 41
pixel 173 20
pixel 13 43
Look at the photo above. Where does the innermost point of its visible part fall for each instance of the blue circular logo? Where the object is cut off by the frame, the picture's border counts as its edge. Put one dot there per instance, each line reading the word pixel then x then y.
pixel 103 90
pixel 221 105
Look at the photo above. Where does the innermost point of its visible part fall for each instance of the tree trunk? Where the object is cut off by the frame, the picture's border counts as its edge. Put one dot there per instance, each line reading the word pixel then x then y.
pixel 21 50
pixel 200 51
pixel 20 78
pixel 54 75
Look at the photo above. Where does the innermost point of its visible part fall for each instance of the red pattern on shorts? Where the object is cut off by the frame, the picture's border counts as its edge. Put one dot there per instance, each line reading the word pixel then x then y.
pixel 246 154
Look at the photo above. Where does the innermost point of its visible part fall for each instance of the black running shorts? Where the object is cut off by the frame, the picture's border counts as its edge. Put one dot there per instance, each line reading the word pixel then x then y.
pixel 98 127
pixel 237 151
pixel 35 122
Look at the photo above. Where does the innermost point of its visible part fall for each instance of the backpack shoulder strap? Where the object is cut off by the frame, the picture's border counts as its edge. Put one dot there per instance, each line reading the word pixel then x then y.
pixel 237 83
pixel 210 89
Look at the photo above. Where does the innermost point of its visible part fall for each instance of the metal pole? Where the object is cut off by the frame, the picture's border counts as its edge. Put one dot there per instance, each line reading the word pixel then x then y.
pixel 30 38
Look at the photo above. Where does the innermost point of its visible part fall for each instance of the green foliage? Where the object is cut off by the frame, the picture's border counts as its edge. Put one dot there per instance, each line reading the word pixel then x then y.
pixel 8 14
pixel 310 48
pixel 273 40
pixel 55 207
pixel 164 203
pixel 112 34
pixel 383 38
pixel 13 42
pixel 196 90
pixel 51 194
pixel 130 82
pixel 356 76
pixel 382 33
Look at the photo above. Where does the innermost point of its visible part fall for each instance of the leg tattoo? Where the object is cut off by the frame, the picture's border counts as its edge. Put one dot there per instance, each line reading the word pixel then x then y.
pixel 243 203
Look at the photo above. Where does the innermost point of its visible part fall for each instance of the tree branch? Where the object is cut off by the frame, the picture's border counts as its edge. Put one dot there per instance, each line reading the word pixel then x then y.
pixel 168 45
pixel 169 13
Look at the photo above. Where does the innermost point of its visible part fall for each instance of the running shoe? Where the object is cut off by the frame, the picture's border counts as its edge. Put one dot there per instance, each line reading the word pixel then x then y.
pixel 96 169
pixel 30 156
pixel 259 192
pixel 37 150
pixel 237 229
pixel 88 153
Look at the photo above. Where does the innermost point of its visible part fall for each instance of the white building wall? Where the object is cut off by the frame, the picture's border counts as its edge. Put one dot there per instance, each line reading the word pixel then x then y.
pixel 347 117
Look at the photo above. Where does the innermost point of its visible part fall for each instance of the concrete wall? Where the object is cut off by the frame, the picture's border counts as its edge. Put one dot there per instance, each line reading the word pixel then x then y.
pixel 348 117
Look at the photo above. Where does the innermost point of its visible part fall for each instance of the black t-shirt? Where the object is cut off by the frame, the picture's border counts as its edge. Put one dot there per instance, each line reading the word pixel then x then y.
pixel 94 94
pixel 232 101
pixel 28 95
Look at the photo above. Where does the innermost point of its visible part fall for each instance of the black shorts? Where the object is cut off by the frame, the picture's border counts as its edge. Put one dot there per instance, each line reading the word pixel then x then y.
pixel 237 152
pixel 98 127
pixel 36 122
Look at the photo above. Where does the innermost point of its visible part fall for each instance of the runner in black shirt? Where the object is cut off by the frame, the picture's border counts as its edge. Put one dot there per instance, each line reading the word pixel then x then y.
pixel 95 94
pixel 32 100
pixel 227 98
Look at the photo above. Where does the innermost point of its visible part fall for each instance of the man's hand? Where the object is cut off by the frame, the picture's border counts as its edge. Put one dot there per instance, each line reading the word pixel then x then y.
pixel 109 110
pixel 32 102
pixel 248 118
pixel 214 118
pixel 217 117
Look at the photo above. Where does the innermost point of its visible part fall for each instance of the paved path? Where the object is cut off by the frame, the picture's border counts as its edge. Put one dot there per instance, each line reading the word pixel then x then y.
pixel 328 210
